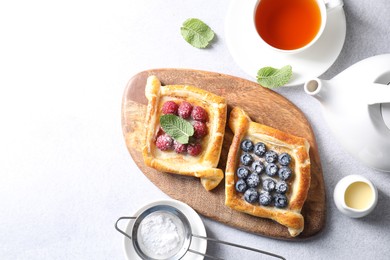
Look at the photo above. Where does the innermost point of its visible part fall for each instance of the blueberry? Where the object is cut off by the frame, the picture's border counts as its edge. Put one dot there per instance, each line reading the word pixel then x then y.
pixel 251 195
pixel 247 145
pixel 284 159
pixel 253 180
pixel 281 187
pixel 259 149
pixel 271 169
pixel 242 172
pixel 269 184
pixel 265 198
pixel 280 200
pixel 258 167
pixel 241 185
pixel 284 173
pixel 246 159
pixel 271 156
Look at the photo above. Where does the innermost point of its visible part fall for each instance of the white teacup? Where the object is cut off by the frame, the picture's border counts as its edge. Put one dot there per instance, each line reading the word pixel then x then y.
pixel 291 26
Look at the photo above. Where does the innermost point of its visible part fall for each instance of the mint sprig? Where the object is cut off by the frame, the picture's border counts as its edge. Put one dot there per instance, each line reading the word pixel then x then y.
pixel 178 128
pixel 196 33
pixel 270 77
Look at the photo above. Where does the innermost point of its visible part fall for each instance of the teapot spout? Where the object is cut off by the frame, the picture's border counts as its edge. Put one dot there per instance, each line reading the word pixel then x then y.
pixel 316 88
pixel 371 93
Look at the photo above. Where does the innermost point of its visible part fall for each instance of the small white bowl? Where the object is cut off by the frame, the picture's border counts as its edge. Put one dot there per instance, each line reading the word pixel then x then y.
pixel 351 187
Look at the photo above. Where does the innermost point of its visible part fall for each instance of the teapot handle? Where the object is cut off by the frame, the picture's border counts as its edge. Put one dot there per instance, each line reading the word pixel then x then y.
pixel 332 4
pixel 377 93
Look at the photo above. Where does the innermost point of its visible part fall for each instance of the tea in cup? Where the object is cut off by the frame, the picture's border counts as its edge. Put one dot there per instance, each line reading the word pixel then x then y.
pixel 290 26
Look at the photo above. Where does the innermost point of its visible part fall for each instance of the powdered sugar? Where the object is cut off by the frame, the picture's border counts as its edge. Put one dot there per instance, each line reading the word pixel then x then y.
pixel 161 235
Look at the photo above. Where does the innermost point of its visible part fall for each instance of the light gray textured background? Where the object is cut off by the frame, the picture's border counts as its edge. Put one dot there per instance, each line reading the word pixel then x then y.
pixel 65 173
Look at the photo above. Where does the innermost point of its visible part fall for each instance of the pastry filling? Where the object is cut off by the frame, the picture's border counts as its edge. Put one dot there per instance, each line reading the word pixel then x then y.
pixel 264 176
pixel 197 117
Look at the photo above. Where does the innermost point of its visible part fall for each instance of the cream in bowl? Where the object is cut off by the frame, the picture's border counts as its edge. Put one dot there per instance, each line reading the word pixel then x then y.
pixel 355 196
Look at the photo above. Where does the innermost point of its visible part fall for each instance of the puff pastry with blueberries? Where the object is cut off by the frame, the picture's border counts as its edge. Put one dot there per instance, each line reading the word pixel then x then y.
pixel 205 111
pixel 267 172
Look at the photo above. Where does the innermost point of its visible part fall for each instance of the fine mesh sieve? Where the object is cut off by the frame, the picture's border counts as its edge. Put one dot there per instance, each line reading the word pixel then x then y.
pixel 185 244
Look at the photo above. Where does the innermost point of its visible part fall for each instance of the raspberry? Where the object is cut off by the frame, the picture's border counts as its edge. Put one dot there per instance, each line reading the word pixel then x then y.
pixel 179 148
pixel 170 107
pixel 164 142
pixel 199 114
pixel 184 110
pixel 194 149
pixel 200 129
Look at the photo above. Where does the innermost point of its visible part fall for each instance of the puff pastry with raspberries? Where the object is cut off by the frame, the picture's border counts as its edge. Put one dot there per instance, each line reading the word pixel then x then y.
pixel 267 172
pixel 205 111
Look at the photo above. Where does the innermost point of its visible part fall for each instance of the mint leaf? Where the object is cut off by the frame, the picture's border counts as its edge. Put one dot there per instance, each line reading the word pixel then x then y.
pixel 196 33
pixel 178 128
pixel 272 78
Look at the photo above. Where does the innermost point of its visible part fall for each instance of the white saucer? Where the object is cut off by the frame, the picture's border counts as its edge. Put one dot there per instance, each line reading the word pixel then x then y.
pixel 251 54
pixel 196 223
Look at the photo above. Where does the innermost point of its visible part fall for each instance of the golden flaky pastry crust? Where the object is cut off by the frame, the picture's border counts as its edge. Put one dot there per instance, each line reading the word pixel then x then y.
pixel 202 166
pixel 279 141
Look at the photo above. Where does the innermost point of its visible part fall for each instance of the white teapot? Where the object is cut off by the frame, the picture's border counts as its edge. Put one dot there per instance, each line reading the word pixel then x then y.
pixel 356 106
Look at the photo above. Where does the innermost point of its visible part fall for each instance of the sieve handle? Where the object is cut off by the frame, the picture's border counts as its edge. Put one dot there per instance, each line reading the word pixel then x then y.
pixel 205 255
pixel 121 231
pixel 239 246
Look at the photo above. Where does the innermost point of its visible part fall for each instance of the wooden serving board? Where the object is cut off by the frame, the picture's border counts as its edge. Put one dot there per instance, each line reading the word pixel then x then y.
pixel 264 106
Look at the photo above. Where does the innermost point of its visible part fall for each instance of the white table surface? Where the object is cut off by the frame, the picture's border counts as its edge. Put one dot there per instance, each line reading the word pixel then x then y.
pixel 65 173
